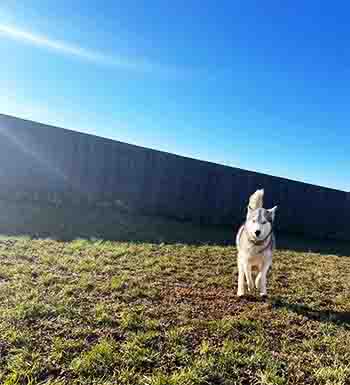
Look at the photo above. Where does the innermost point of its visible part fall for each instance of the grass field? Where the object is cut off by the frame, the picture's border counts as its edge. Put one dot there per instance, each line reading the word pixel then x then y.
pixel 103 312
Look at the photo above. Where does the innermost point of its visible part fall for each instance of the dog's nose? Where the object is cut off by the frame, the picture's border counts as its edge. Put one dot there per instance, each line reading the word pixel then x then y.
pixel 257 232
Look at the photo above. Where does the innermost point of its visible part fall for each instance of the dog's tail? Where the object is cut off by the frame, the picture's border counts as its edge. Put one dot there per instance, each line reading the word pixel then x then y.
pixel 256 200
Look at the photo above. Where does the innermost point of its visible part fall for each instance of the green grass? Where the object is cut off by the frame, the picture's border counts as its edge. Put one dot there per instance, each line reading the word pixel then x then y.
pixel 108 312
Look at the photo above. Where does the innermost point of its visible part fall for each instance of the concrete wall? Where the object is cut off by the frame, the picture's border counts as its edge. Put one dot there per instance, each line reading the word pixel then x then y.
pixel 45 163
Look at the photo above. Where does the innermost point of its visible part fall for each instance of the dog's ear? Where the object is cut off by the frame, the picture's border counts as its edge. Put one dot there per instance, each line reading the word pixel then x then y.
pixel 271 213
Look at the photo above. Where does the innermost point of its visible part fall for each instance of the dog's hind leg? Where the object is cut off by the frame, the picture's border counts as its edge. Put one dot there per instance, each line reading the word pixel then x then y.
pixel 258 277
pixel 248 276
pixel 258 280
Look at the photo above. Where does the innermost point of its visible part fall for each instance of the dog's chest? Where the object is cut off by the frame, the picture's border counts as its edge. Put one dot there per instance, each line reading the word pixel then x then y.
pixel 254 257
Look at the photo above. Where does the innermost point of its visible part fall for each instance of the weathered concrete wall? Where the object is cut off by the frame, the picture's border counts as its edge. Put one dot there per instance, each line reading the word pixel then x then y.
pixel 47 163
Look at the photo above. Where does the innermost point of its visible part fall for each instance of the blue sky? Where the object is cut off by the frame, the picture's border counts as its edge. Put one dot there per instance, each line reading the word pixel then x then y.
pixel 263 86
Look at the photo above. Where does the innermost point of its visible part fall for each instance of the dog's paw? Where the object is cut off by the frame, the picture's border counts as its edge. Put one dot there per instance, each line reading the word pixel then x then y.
pixel 243 298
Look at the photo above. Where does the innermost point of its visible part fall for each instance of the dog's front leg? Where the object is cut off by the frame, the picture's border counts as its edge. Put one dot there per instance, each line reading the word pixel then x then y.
pixel 248 276
pixel 263 274
pixel 240 291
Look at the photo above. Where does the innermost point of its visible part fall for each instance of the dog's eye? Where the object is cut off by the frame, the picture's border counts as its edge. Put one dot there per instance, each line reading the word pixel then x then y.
pixel 263 223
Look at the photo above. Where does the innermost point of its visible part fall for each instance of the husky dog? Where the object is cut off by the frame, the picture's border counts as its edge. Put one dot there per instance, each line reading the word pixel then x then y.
pixel 255 243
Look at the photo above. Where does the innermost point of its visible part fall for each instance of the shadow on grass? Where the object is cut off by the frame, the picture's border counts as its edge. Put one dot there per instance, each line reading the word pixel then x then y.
pixel 114 224
pixel 314 314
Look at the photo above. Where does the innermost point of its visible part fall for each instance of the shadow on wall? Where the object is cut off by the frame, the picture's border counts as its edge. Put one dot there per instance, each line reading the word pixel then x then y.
pixel 320 246
pixel 45 164
pixel 112 223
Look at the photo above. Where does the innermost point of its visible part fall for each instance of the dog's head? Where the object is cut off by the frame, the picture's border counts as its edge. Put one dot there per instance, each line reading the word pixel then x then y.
pixel 259 220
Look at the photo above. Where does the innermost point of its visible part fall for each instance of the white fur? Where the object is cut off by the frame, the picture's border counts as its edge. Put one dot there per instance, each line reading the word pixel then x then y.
pixel 255 249
pixel 256 200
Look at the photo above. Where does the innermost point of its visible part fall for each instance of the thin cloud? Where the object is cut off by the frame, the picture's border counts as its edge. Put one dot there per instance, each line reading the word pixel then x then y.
pixel 68 49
